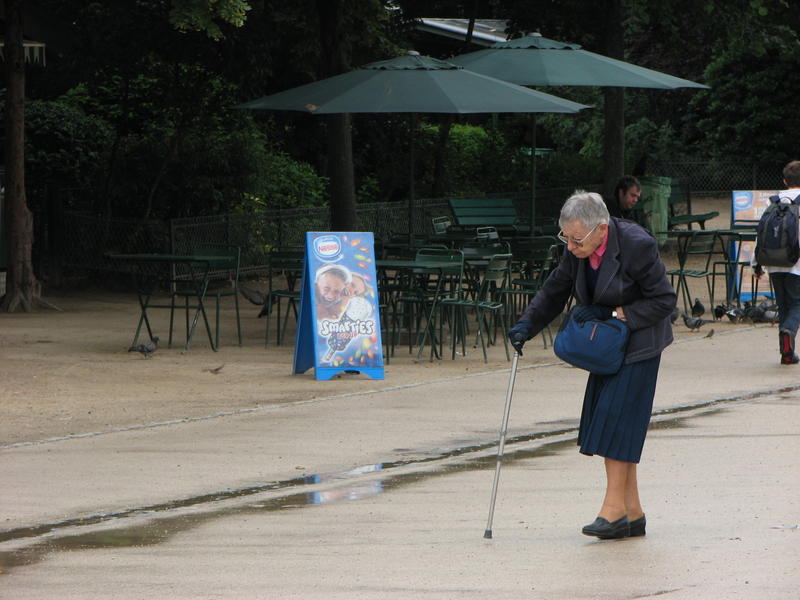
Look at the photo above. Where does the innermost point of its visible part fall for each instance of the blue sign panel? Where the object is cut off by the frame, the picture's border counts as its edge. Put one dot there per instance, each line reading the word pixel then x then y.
pixel 339 324
pixel 747 206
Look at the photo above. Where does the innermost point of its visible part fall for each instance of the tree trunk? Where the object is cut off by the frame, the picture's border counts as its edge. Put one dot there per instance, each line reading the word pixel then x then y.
pixel 439 157
pixel 613 138
pixel 22 288
pixel 614 109
pixel 446 123
pixel 340 143
pixel 172 149
pixel 340 164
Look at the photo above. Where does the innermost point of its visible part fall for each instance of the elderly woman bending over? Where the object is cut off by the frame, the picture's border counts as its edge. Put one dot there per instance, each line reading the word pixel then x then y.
pixel 613 268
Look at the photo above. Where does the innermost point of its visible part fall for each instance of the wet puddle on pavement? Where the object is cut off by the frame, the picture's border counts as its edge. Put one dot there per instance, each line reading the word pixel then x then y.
pixel 158 528
pixel 163 521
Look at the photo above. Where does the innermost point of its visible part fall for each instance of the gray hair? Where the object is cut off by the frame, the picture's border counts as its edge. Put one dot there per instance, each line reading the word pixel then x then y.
pixel 339 271
pixel 586 207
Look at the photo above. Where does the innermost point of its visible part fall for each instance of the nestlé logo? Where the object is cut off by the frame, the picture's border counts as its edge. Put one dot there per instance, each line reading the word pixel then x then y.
pixel 328 248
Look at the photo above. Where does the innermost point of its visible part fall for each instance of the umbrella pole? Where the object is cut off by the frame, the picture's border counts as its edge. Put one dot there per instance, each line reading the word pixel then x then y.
pixel 411 183
pixel 532 218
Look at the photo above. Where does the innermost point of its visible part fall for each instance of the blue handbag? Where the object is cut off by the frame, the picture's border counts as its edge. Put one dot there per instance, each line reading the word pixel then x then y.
pixel 596 346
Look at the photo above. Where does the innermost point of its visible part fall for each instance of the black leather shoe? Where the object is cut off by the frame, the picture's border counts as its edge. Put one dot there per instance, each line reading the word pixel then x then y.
pixel 637 527
pixel 604 530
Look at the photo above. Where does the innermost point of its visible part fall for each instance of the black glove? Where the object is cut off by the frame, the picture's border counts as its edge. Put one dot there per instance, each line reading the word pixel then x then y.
pixel 518 335
pixel 758 270
pixel 592 312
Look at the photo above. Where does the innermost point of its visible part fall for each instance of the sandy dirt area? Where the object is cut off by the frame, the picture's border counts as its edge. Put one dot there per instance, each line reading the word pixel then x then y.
pixel 70 372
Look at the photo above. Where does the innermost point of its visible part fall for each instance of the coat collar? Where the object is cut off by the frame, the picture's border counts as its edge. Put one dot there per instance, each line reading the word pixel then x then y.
pixel 608 269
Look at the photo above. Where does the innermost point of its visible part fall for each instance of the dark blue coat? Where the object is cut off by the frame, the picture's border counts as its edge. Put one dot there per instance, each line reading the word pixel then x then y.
pixel 631 276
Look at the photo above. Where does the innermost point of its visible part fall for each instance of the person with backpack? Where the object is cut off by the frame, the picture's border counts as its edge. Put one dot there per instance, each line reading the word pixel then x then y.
pixel 778 249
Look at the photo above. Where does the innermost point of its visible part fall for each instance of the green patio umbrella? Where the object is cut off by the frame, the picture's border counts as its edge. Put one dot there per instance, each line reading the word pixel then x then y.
pixel 537 61
pixel 413 84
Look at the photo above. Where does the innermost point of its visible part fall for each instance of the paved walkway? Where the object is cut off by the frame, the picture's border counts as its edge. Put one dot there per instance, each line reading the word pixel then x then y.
pixel 385 493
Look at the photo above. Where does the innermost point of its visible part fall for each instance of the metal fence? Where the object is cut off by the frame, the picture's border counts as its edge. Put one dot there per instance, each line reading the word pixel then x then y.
pixel 258 234
pixel 83 241
pixel 86 241
pixel 712 177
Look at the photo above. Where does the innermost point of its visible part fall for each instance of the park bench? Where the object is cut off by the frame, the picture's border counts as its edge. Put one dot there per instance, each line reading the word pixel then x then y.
pixel 679 196
pixel 499 213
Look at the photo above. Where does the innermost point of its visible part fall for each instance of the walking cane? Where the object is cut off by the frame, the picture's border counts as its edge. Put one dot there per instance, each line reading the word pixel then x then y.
pixel 503 429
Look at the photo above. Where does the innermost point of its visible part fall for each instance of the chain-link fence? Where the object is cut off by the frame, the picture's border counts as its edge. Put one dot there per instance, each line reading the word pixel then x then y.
pixel 714 177
pixel 87 241
pixel 84 241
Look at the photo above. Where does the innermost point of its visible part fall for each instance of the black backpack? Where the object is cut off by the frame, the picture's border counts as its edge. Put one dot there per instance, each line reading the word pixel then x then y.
pixel 777 242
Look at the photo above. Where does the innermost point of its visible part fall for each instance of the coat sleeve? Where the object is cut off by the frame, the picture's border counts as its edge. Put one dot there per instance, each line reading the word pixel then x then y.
pixel 548 303
pixel 658 298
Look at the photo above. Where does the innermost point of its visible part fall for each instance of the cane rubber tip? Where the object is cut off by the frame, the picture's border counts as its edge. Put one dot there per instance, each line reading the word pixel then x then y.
pixel 487 534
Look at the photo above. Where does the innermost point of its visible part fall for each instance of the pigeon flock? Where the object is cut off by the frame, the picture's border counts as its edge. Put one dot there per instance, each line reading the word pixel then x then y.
pixel 763 312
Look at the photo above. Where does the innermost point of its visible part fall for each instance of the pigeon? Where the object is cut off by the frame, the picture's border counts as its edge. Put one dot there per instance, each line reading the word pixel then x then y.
pixel 755 313
pixel 675 314
pixel 763 313
pixel 698 310
pixel 770 312
pixel 147 349
pixel 694 323
pixel 720 310
pixel 253 296
pixel 215 370
pixel 767 305
pixel 735 315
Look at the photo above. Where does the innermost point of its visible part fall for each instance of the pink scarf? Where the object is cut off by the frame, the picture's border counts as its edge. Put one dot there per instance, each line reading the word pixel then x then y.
pixel 596 257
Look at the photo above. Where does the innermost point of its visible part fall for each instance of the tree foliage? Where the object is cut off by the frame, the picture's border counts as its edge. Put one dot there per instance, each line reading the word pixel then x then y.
pixel 65 147
pixel 202 15
pixel 478 160
pixel 749 112
pixel 170 141
pixel 292 184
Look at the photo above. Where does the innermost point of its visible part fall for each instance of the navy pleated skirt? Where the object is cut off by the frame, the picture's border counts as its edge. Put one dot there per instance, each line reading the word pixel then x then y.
pixel 616 411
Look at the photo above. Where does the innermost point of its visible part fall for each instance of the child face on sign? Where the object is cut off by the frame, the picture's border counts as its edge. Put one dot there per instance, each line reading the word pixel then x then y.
pixel 332 288
pixel 358 287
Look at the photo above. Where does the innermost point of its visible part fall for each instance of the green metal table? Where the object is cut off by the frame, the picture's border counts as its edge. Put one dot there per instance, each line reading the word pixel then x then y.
pixel 414 266
pixel 185 272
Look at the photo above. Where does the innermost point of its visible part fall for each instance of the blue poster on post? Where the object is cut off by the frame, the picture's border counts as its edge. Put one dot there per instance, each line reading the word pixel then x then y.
pixel 747 206
pixel 339 324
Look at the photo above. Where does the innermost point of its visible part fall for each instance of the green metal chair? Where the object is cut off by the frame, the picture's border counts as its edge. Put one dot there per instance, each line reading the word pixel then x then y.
pixel 286 263
pixel 489 301
pixel 699 248
pixel 426 288
pixel 476 255
pixel 534 263
pixel 224 263
pixel 731 267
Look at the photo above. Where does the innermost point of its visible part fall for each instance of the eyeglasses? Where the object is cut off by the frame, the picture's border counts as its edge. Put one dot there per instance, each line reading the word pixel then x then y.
pixel 579 242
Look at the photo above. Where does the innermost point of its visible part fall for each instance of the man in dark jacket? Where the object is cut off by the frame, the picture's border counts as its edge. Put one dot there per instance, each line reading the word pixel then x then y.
pixel 626 196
